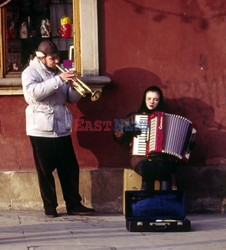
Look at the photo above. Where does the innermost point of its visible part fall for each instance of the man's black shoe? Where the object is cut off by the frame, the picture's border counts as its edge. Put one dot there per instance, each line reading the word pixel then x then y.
pixel 51 213
pixel 80 209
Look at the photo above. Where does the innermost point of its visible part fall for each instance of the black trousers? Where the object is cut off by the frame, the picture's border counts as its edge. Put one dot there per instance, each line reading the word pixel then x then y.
pixel 155 169
pixel 51 154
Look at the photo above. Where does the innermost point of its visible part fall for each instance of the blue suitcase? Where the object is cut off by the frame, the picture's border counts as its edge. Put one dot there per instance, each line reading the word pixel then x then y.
pixel 157 211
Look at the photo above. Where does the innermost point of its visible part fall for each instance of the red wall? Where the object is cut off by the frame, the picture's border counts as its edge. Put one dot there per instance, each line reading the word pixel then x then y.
pixel 177 45
pixel 15 152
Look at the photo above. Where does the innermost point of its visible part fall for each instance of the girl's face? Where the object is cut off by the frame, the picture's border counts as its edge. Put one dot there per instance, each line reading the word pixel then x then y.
pixel 152 100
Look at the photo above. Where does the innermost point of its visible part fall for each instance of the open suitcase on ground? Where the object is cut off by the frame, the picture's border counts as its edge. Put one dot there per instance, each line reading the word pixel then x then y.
pixel 157 211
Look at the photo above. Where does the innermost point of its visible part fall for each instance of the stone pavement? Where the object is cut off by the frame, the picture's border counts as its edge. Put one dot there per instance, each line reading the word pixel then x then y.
pixel 20 230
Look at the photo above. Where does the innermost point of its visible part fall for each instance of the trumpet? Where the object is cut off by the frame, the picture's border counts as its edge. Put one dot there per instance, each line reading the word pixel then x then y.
pixel 81 87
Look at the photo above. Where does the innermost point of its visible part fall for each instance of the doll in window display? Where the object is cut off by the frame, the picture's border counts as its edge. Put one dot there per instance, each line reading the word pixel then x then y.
pixel 65 30
pixel 45 28
pixel 23 30
pixel 13 67
pixel 11 30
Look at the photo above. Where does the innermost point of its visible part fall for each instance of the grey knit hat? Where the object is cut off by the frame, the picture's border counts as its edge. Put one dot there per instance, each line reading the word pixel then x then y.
pixel 47 48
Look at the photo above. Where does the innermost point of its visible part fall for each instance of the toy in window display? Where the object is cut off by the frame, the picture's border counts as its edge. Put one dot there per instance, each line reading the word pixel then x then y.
pixel 11 30
pixel 23 30
pixel 45 28
pixel 66 27
pixel 15 67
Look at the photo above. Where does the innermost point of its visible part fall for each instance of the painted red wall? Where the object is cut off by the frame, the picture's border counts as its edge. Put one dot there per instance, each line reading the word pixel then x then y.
pixel 15 152
pixel 177 45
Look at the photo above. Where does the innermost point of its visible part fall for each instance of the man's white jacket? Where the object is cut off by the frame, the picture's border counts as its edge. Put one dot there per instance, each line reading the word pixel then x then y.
pixel 46 95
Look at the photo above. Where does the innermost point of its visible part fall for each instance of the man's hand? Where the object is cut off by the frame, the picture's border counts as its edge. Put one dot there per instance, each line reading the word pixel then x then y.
pixel 67 76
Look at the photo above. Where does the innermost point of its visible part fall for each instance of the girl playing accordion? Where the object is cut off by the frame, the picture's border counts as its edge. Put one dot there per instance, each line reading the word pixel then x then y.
pixel 155 168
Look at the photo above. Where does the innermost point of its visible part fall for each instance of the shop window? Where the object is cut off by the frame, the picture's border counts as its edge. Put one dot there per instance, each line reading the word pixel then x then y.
pixel 28 22
pixel 71 24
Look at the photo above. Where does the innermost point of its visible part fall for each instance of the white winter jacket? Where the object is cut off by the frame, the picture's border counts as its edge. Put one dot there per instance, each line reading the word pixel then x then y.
pixel 46 95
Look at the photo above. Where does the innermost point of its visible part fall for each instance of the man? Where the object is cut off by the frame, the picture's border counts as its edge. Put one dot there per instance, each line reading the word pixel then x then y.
pixel 48 124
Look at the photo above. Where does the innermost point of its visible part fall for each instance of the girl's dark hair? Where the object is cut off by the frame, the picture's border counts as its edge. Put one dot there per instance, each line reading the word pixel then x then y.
pixel 143 107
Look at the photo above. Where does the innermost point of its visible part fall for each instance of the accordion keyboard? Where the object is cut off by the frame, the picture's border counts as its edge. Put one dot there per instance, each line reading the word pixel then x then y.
pixel 140 142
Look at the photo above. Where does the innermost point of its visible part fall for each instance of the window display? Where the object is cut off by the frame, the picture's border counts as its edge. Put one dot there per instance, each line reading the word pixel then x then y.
pixel 31 21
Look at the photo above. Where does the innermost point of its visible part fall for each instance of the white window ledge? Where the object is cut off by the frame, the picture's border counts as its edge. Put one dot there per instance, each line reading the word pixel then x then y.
pixel 13 86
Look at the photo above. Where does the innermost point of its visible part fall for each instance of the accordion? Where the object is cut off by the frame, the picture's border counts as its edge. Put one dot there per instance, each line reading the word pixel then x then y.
pixel 163 133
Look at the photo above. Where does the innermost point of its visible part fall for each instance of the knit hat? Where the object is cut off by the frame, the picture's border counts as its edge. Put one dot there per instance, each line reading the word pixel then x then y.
pixel 47 48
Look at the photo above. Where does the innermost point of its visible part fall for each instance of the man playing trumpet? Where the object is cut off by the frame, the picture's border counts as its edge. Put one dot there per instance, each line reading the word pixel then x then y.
pixel 49 125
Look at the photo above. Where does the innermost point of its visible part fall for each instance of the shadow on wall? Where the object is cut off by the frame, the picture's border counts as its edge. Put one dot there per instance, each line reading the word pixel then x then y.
pixel 211 136
pixel 191 12
pixel 123 97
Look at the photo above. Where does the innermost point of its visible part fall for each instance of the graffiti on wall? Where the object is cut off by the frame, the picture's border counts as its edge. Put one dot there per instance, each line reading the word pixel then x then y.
pixel 208 90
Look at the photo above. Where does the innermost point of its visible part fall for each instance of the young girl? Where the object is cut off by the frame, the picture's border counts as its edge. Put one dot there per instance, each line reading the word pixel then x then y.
pixel 156 168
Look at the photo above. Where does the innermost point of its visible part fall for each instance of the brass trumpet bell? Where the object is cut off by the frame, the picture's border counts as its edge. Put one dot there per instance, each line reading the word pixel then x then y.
pixel 81 87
